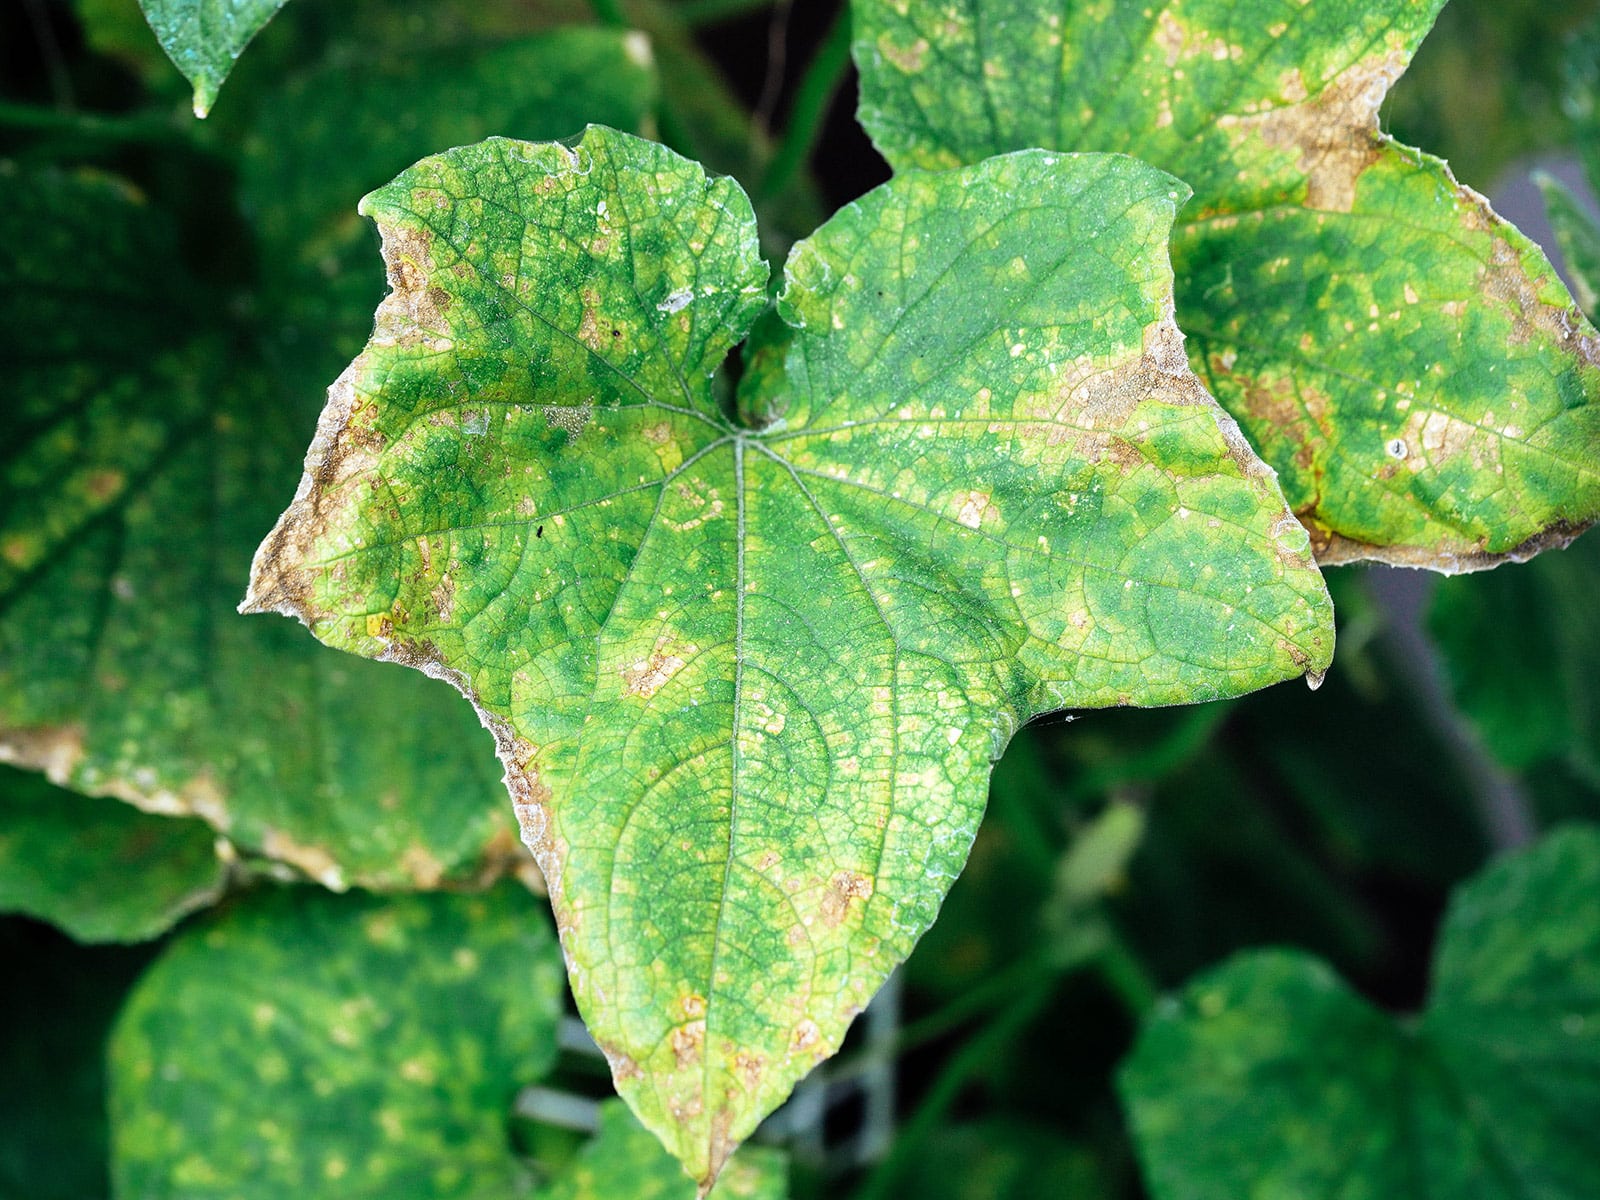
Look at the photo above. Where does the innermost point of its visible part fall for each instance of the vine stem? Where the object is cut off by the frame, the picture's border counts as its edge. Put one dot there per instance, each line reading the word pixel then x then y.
pixel 810 107
pixel 143 127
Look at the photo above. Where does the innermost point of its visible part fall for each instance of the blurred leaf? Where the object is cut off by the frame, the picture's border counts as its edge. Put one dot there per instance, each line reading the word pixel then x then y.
pixel 526 484
pixel 1580 95
pixel 204 37
pixel 1522 655
pixel 56 1007
pixel 1578 238
pixel 1407 361
pixel 100 870
pixel 119 29
pixel 310 1044
pixel 1096 864
pixel 1269 1077
pixel 1485 87
pixel 138 446
pixel 332 132
pixel 625 1161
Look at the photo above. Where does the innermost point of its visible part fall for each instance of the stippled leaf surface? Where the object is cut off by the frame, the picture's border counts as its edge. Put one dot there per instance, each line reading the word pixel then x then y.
pixel 98 869
pixel 304 1043
pixel 1269 1077
pixel 748 682
pixel 624 1159
pixel 205 37
pixel 139 445
pixel 1407 361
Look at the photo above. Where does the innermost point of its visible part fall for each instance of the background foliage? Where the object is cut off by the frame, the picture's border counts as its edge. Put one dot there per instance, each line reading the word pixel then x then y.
pixel 1123 853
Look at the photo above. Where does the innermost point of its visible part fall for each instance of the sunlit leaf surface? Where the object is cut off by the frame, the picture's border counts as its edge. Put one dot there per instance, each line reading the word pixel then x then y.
pixel 748 676
pixel 1407 361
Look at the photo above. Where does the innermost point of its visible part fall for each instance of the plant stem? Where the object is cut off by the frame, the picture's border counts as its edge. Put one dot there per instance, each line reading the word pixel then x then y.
pixel 142 127
pixel 810 107
pixel 1015 978
pixel 1126 975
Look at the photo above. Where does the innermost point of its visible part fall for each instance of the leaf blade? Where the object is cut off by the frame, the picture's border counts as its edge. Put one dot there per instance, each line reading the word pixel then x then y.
pixel 204 38
pixel 748 765
pixel 1298 1085
pixel 1272 119
pixel 302 1038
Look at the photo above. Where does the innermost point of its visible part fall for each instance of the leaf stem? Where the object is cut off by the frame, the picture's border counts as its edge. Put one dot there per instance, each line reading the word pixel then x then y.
pixel 810 107
pixel 1015 978
pixel 1126 975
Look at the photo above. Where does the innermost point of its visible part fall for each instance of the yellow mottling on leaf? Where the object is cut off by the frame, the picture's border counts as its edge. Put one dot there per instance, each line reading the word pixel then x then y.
pixel 908 58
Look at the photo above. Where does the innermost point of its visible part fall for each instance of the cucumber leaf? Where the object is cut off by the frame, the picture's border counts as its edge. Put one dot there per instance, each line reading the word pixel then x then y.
pixel 205 37
pixel 1269 1077
pixel 96 868
pixel 303 1043
pixel 1407 361
pixel 749 660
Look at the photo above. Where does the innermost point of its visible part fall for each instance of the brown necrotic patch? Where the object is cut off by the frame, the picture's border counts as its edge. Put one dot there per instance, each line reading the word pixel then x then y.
pixel 647 676
pixel 843 888
pixel 1333 134
pixel 413 313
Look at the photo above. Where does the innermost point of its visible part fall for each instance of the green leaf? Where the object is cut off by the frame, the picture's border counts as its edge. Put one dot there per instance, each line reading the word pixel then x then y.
pixel 1522 655
pixel 748 683
pixel 1407 361
pixel 624 1160
pixel 1578 238
pixel 205 37
pixel 311 1044
pixel 99 869
pixel 140 448
pixel 1269 1077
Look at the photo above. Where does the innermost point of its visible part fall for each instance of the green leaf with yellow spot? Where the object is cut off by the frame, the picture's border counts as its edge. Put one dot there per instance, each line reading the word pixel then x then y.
pixel 310 1044
pixel 623 1161
pixel 205 37
pixel 100 870
pixel 1269 1077
pixel 1407 361
pixel 141 443
pixel 748 678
